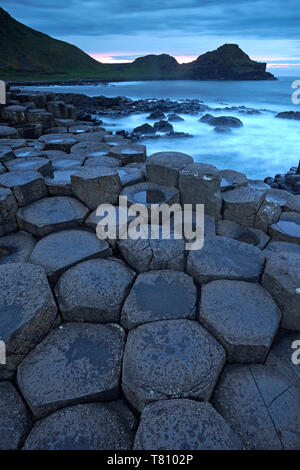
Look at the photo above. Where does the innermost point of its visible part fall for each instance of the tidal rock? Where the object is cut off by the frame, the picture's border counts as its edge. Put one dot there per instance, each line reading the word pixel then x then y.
pixel 174 118
pixel 28 309
pixel 282 279
pixel 51 214
pixel 144 129
pixel 229 229
pixel 8 210
pixel 96 185
pixel 242 316
pixel 55 252
pixel 16 247
pixel 242 204
pixel 76 363
pixel 156 115
pixel 42 165
pixel 27 186
pixel 221 121
pixel 15 418
pixel 94 291
pixel 163 126
pixel 159 295
pixel 164 167
pixel 93 426
pixel 287 229
pixel 170 359
pixel 171 425
pixel 223 258
pixel 129 153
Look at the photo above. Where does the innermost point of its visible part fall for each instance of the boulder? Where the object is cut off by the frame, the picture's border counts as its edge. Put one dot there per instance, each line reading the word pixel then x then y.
pixel 55 252
pixel 42 165
pixel 241 205
pixel 159 295
pixel 51 214
pixel 76 363
pixel 29 152
pixel 163 167
pixel 94 291
pixel 170 359
pixel 96 185
pixel 221 121
pixel 242 316
pixel 27 186
pixel 174 118
pixel 16 247
pixel 223 258
pixel 156 115
pixel 229 229
pixel 171 425
pixel 129 153
pixel 8 210
pixel 144 129
pixel 93 426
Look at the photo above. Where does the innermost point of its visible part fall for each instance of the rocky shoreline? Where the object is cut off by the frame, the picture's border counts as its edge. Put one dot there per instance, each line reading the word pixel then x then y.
pixel 140 344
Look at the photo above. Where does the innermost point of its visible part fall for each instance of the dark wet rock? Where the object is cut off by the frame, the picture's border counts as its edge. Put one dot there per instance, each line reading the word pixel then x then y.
pixel 12 142
pixel 90 149
pixel 170 359
pixel 156 115
pixel 152 253
pixel 60 183
pixel 8 210
pixel 60 110
pixel 94 291
pixel 286 229
pixel 60 142
pixel 27 186
pixel 159 295
pixel 171 425
pixel 242 204
pixel 15 113
pixel 130 176
pixel 28 310
pixel 102 161
pixel 150 193
pixel 232 179
pixel 76 363
pixel 96 185
pixel 15 419
pixel 282 279
pixel 41 117
pixel 94 426
pixel 6 153
pixel 51 214
pixel 221 121
pixel 223 258
pixel 174 118
pixel 144 129
pixel 229 229
pixel 55 252
pixel 199 183
pixel 163 126
pixel 232 312
pixel 289 115
pixel 164 167
pixel 42 165
pixel 16 247
pixel 6 131
pixel 129 153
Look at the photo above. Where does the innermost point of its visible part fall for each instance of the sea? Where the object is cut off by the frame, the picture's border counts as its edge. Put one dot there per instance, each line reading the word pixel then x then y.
pixel 264 146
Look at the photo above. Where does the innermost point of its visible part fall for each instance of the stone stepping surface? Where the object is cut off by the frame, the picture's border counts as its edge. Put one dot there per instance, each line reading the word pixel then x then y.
pixel 28 309
pixel 93 426
pixel 90 150
pixel 6 131
pixel 15 420
pixel 67 161
pixel 102 161
pixel 164 167
pixel 16 247
pixel 170 359
pixel 152 254
pixel 242 204
pixel 261 403
pixel 51 214
pixel 232 179
pixel 287 229
pixel 60 251
pixel 60 183
pixel 159 295
pixel 282 279
pixel 114 140
pixel 62 142
pixel 130 176
pixel 94 291
pixel 242 316
pixel 27 186
pixel 129 153
pixel 76 363
pixel 29 152
pixel 252 236
pixel 223 258
pixel 42 165
pixel 150 193
pixel 6 153
pixel 8 210
pixel 96 136
pixel 184 425
pixel 281 247
pixel 11 142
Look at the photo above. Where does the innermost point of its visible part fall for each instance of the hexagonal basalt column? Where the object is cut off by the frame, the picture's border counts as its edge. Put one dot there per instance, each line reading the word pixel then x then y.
pixel 223 258
pixel 282 279
pixel 129 153
pixel 232 179
pixel 170 359
pixel 51 214
pixel 130 176
pixel 60 183
pixel 16 247
pixel 90 149
pixel 62 142
pixel 241 205
pixel 287 228
pixel 42 165
pixel 27 186
pixel 14 113
pixel 6 153
pixel 164 167
pixel 102 161
pixel 242 316
pixel 8 210
pixel 27 310
pixel 94 426
pixel 150 193
pixel 94 291
pixel 76 363
pixel 171 425
pixel 268 213
pixel 96 185
pixel 159 295
pixel 199 183
pixel 10 132
pixel 252 236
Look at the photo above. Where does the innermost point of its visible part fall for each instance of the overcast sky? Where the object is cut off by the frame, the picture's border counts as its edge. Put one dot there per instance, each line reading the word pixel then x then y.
pixel 121 30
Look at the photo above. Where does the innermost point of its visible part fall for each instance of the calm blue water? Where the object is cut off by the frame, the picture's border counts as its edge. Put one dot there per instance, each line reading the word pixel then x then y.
pixel 263 147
